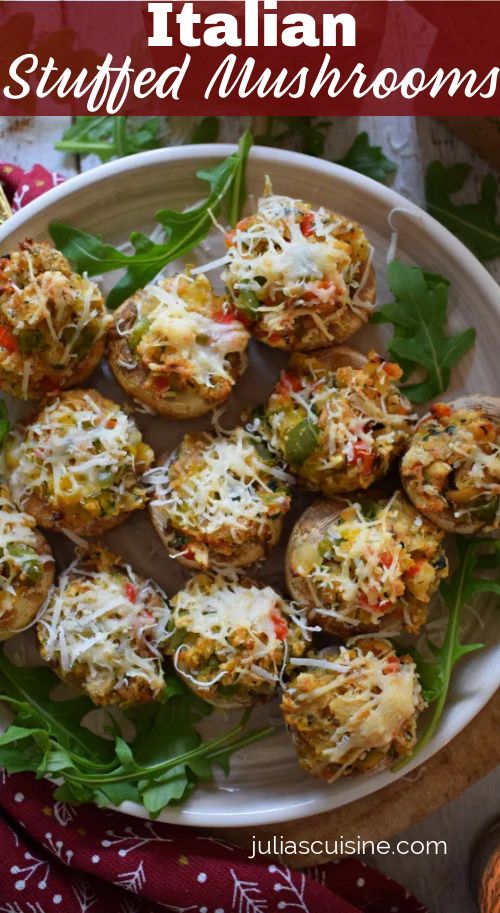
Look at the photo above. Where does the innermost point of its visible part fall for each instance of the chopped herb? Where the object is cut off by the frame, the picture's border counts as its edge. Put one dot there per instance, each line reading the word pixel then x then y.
pixel 163 763
pixel 419 314
pixel 473 223
pixel 367 159
pixel 476 557
pixel 183 231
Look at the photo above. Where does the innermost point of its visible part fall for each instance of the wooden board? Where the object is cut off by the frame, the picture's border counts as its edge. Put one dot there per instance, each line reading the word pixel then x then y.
pixel 467 758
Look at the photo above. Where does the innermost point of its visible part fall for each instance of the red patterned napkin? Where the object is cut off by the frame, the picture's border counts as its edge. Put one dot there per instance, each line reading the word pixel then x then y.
pixel 86 860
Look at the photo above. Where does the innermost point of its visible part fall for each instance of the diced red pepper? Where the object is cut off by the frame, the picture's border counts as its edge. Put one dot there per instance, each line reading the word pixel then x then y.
pixel 131 592
pixel 279 624
pixel 49 385
pixel 392 665
pixel 189 554
pixel 288 382
pixel 111 423
pixel 363 457
pixel 413 570
pixel 441 410
pixel 161 383
pixel 392 369
pixel 7 339
pixel 386 559
pixel 307 224
pixel 228 316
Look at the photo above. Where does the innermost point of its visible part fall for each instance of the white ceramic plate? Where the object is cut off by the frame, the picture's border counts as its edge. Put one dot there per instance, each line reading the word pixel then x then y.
pixel 266 785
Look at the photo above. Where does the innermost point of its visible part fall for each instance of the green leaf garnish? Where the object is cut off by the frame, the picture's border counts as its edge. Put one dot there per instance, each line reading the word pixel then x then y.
pixel 475 558
pixel 474 223
pixel 367 159
pixel 183 231
pixel 111 136
pixel 419 315
pixel 163 763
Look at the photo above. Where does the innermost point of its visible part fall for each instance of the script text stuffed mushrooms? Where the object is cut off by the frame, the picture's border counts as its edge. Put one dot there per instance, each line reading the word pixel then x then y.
pixel 177 347
pixel 365 565
pixel 451 470
pixel 103 629
pixel 219 500
pixel 230 638
pixel 353 709
pixel 78 465
pixel 302 276
pixel 53 322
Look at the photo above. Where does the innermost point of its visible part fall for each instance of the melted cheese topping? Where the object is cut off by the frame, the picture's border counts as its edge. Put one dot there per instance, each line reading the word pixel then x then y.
pixel 358 412
pixel 454 460
pixel 370 697
pixel 217 606
pixel 111 622
pixel 271 256
pixel 19 546
pixel 80 446
pixel 180 339
pixel 362 563
pixel 55 314
pixel 227 487
pixel 228 631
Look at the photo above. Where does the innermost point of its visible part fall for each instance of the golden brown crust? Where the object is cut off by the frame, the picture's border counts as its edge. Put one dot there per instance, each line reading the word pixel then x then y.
pixel 329 358
pixel 339 333
pixel 489 406
pixel 186 404
pixel 243 555
pixel 29 598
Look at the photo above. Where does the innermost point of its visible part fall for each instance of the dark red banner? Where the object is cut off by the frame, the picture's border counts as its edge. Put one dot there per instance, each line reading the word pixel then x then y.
pixel 253 57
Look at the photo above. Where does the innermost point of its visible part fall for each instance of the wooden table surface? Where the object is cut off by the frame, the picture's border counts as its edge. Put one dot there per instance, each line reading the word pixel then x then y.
pixel 441 883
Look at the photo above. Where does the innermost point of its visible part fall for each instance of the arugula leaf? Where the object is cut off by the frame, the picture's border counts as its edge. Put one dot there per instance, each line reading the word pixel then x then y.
pixel 207 131
pixel 163 763
pixel 184 230
pixel 367 159
pixel 308 133
pixel 475 556
pixel 419 316
pixel 4 422
pixel 111 136
pixel 474 223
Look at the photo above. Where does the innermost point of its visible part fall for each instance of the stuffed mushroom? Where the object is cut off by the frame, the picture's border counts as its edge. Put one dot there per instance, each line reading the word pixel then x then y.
pixel 230 637
pixel 219 500
pixel 177 347
pixel 352 709
pixel 451 470
pixel 78 466
pixel 365 565
pixel 338 419
pixel 302 276
pixel 26 567
pixel 53 322
pixel 103 629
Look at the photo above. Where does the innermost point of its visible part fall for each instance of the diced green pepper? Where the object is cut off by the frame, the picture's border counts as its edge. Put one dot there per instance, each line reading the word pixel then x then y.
pixel 31 566
pixel 488 511
pixel 83 343
pixel 178 638
pixel 248 302
pixel 139 330
pixel 301 441
pixel 29 341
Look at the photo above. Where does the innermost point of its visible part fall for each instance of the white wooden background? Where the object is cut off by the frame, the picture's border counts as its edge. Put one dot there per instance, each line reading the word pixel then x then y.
pixel 440 882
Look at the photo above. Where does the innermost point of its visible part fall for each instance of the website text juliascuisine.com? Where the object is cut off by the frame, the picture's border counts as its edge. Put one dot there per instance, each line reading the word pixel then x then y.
pixel 337 847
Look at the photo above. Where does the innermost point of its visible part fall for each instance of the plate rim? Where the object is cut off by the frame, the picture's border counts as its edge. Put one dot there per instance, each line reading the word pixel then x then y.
pixel 451 245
